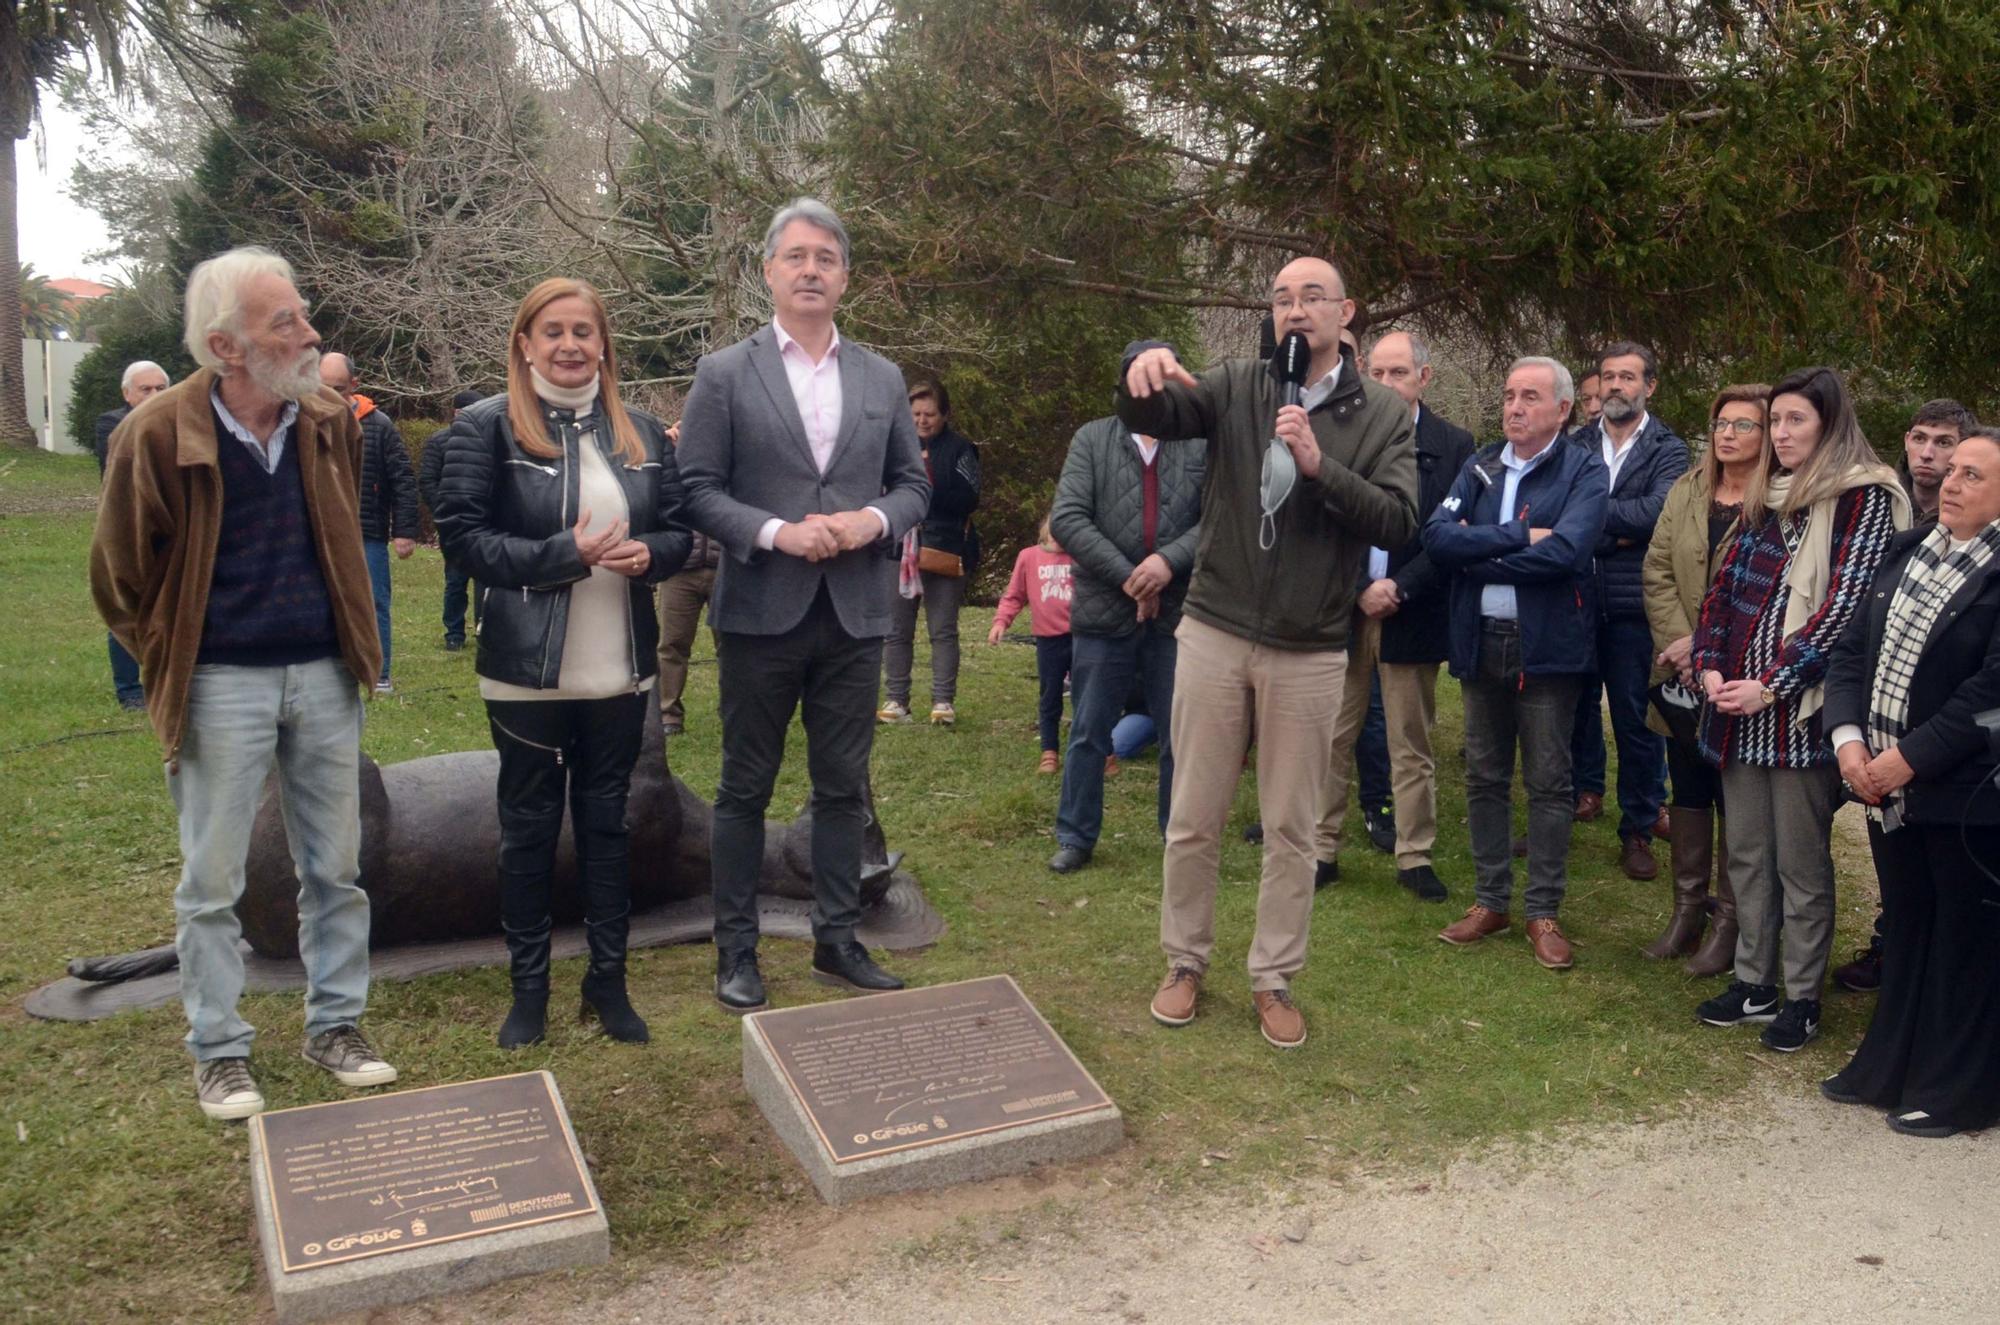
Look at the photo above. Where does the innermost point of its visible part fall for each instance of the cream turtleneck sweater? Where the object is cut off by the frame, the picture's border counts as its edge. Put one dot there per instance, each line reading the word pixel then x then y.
pixel 597 644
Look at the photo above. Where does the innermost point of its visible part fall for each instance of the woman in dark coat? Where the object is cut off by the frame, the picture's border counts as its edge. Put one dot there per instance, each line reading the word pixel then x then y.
pixel 1909 678
pixel 947 548
pixel 561 503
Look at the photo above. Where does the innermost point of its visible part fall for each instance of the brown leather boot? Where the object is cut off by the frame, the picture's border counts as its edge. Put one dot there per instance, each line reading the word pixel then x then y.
pixel 1692 841
pixel 1717 953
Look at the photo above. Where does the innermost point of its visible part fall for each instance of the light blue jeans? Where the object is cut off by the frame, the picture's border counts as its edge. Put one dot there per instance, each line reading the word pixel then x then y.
pixel 240 720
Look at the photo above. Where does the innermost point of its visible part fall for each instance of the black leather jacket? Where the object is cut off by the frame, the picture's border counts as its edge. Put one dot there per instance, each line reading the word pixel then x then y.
pixel 508 518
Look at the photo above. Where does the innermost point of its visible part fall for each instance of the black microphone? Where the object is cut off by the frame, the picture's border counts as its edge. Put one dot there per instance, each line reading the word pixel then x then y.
pixel 1293 358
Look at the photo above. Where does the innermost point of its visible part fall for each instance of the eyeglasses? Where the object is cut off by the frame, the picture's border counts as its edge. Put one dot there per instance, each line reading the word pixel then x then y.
pixel 1310 302
pixel 1741 427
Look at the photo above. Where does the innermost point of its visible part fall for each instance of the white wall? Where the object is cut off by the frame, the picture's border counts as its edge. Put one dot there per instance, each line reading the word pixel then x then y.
pixel 47 369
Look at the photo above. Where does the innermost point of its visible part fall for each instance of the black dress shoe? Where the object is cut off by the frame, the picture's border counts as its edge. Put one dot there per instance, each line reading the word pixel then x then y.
pixel 1381 828
pixel 1255 832
pixel 1067 859
pixel 849 966
pixel 1424 882
pixel 739 986
pixel 1325 872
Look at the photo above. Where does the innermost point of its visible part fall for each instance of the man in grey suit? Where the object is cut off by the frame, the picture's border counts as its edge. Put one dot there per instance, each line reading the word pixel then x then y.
pixel 800 457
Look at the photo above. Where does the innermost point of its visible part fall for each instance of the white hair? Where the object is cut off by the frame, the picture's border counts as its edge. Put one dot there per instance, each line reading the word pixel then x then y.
pixel 138 366
pixel 1565 386
pixel 215 296
pixel 814 213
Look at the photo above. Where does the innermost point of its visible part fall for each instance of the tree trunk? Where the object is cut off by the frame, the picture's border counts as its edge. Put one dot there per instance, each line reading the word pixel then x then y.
pixel 15 430
pixel 727 227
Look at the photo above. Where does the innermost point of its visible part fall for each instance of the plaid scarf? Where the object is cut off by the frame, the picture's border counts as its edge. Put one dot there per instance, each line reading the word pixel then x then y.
pixel 1930 578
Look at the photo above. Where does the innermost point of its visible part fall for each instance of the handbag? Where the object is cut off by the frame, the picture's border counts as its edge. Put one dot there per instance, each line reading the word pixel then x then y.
pixel 1680 708
pixel 933 562
pixel 951 565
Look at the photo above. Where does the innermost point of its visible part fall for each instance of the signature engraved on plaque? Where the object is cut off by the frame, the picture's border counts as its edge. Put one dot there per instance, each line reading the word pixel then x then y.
pixel 926 1065
pixel 368 1176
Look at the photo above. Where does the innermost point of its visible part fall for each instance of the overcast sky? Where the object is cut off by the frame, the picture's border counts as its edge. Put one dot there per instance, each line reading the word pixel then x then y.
pixel 55 232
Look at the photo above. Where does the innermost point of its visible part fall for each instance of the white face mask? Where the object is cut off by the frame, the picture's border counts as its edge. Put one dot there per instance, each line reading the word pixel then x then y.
pixel 1281 474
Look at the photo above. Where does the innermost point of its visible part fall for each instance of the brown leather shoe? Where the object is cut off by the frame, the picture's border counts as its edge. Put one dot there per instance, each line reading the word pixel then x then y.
pixel 1637 860
pixel 1551 948
pixel 1283 1025
pixel 1048 764
pixel 1589 805
pixel 1173 1003
pixel 1663 826
pixel 1111 766
pixel 1477 923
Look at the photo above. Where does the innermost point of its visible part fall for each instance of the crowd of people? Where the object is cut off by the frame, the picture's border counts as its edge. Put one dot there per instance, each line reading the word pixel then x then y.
pixel 1267 560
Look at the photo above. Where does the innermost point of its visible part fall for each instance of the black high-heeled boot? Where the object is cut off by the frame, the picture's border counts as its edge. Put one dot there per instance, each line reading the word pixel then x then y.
pixel 525 920
pixel 604 993
pixel 607 918
pixel 527 1020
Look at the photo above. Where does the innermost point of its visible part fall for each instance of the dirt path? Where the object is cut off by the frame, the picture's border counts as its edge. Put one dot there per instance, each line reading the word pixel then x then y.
pixel 1796 1209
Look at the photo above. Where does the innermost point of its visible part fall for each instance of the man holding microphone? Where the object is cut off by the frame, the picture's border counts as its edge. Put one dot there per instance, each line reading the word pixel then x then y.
pixel 1297 493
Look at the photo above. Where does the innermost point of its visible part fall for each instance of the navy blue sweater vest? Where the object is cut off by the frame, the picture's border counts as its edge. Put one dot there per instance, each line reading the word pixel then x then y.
pixel 267 600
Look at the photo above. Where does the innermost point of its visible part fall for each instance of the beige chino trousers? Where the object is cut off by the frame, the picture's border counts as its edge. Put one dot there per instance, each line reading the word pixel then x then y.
pixel 1226 688
pixel 1409 709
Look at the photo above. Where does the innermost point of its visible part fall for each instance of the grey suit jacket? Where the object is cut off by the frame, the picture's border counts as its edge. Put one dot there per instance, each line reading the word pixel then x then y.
pixel 744 458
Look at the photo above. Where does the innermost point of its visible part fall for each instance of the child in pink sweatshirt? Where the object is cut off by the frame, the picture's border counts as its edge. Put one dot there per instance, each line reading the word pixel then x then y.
pixel 1041 583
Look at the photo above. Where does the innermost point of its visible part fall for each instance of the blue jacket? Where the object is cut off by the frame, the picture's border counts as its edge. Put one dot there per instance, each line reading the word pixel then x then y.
pixel 1551 579
pixel 1658 457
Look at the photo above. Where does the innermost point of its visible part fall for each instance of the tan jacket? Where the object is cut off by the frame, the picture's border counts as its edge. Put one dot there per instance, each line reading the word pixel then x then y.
pixel 159 520
pixel 1678 571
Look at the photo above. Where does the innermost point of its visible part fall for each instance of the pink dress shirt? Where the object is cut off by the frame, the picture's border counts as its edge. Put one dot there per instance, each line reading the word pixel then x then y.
pixel 816 390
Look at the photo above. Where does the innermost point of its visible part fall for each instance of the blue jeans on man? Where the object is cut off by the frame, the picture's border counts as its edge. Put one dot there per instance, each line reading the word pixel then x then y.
pixel 305 719
pixel 1587 760
pixel 125 676
pixel 457 595
pixel 378 580
pixel 1371 754
pixel 1625 665
pixel 1102 671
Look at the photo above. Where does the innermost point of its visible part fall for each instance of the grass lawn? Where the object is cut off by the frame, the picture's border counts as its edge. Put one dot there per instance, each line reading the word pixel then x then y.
pixel 119 1201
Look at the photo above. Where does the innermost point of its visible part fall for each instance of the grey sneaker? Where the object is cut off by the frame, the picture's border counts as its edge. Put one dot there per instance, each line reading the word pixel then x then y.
pixel 344 1051
pixel 226 1090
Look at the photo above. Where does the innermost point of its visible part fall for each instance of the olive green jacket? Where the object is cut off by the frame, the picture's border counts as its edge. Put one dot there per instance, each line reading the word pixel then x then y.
pixel 1300 594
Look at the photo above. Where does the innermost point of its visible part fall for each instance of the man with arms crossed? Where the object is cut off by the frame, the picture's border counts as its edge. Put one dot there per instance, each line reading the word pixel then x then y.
pixel 1518 528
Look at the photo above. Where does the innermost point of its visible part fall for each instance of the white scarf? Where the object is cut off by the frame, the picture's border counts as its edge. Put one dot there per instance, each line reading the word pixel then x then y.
pixel 574 398
pixel 1809 569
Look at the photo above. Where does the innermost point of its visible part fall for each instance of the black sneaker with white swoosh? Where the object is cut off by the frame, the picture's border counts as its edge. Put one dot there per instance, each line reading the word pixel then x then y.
pixel 1796 1024
pixel 1741 1004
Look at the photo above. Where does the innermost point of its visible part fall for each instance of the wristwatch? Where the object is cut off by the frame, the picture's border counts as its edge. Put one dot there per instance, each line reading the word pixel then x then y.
pixel 1769 696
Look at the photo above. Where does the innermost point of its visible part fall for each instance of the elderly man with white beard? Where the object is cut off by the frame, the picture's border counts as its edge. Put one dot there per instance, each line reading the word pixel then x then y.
pixel 228 559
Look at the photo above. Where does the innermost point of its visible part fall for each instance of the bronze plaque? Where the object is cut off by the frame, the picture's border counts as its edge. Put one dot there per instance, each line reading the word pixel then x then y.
pixel 914 1068
pixel 384 1173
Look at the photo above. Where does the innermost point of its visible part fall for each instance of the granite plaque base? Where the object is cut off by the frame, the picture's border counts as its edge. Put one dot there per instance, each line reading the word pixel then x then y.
pixel 385 1199
pixel 923 1088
